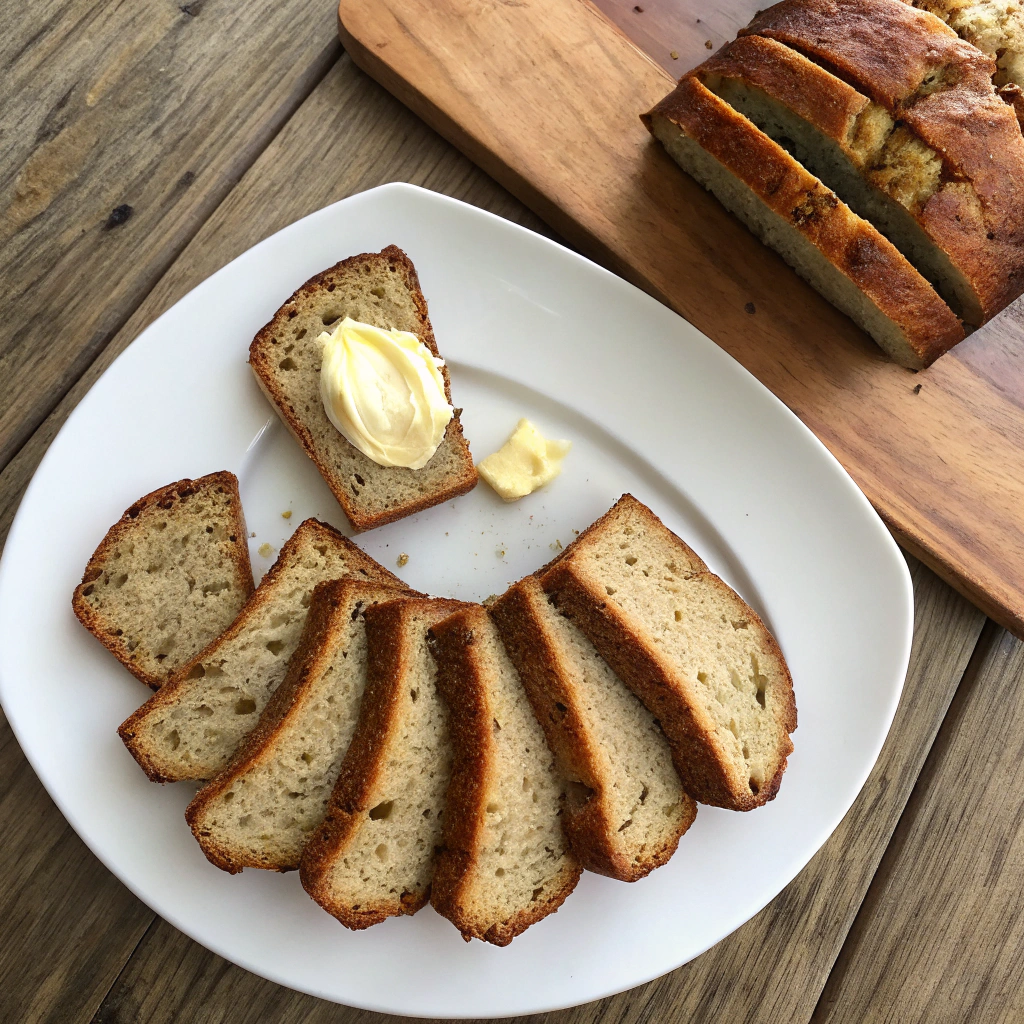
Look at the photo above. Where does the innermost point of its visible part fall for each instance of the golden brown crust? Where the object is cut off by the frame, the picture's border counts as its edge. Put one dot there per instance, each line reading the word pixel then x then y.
pixel 260 354
pixel 387 636
pixel 653 677
pixel 941 87
pixel 557 707
pixel 313 655
pixel 849 243
pixel 360 564
pixel 469 725
pixel 163 497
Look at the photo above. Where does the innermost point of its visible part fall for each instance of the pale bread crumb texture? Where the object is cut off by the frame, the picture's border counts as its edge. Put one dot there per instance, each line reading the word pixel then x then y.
pixel 787 240
pixel 519 867
pixel 626 808
pixel 637 585
pixel 260 811
pixel 374 856
pixel 169 576
pixel 995 27
pixel 380 289
pixel 191 728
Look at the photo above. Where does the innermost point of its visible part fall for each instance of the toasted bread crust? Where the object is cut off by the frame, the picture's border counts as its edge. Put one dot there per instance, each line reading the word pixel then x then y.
pixel 261 354
pixel 361 565
pixel 311 658
pixel 547 680
pixel 653 676
pixel 850 244
pixel 914 65
pixel 163 497
pixel 366 762
pixel 470 727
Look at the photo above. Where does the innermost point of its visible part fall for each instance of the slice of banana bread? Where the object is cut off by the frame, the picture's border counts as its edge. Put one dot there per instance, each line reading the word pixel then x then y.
pixel 625 809
pixel 373 856
pixel 688 646
pixel 381 289
pixel 191 727
pixel 169 576
pixel 504 863
pixel 261 809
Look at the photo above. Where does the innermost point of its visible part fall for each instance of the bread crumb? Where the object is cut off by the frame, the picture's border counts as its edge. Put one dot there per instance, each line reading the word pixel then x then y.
pixel 674 55
pixel 750 308
pixel 556 545
pixel 403 559
pixel 286 515
pixel 265 550
pixel 917 389
pixel 253 534
pixel 638 9
pixel 707 44
pixel 500 552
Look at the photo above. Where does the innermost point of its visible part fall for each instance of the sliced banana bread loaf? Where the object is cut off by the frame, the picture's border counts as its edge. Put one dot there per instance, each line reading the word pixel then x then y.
pixel 191 727
pixel 690 648
pixel 885 172
pixel 838 253
pixel 260 810
pixel 169 576
pixel 373 856
pixel 381 289
pixel 504 863
pixel 939 88
pixel 625 808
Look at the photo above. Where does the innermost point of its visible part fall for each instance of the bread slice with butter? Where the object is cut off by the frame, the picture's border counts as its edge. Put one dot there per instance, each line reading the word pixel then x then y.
pixel 168 577
pixel 689 647
pixel 380 289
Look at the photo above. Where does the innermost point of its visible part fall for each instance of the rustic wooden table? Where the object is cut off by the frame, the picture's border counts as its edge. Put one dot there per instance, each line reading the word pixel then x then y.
pixel 142 146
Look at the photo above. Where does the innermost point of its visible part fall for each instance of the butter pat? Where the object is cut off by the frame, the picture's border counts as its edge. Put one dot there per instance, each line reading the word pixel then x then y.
pixel 384 392
pixel 526 461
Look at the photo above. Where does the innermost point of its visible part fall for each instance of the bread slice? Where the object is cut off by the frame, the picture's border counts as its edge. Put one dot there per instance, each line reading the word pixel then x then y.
pixel 883 171
pixel 940 88
pixel 834 250
pixel 191 727
pixel 373 856
pixel 169 576
pixel 504 862
pixel 260 810
pixel 626 808
pixel 688 646
pixel 996 27
pixel 381 289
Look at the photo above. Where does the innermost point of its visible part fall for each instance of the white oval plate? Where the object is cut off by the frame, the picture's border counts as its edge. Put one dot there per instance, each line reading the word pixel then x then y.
pixel 651 406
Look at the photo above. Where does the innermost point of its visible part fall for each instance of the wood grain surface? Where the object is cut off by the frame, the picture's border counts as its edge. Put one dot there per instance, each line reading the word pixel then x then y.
pixel 940 453
pixel 941 936
pixel 126 125
pixel 937 937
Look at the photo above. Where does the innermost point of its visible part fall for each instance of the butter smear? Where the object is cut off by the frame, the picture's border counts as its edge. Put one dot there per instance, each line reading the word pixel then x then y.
pixel 526 461
pixel 384 392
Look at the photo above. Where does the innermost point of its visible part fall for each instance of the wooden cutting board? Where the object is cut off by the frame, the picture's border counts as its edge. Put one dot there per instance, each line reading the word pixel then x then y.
pixel 545 96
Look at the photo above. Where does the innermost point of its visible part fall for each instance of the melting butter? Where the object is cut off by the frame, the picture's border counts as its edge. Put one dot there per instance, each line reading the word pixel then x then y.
pixel 384 392
pixel 526 461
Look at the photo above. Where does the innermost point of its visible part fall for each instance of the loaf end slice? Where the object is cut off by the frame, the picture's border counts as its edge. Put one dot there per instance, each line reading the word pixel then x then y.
pixel 838 253
pixel 504 862
pixel 260 810
pixel 190 728
pixel 373 855
pixel 691 649
pixel 626 808
pixel 381 289
pixel 169 576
